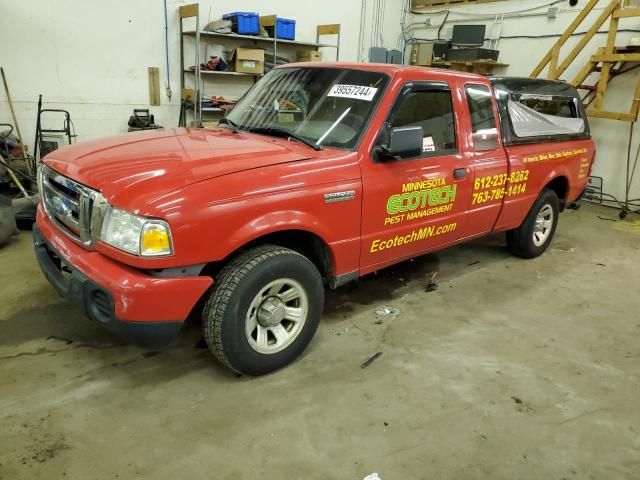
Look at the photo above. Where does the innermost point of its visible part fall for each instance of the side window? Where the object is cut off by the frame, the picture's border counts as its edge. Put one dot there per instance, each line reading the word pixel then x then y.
pixel 432 110
pixel 483 119
pixel 559 107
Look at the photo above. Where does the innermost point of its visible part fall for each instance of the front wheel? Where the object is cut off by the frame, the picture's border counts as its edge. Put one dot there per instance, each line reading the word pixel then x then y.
pixel 264 310
pixel 533 237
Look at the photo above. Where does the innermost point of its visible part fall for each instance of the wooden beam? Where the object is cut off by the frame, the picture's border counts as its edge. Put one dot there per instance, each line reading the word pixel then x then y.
pixel 627 12
pixel 417 5
pixel 635 105
pixel 331 29
pixel 606 13
pixel 565 36
pixel 154 86
pixel 616 57
pixel 553 63
pixel 190 10
pixel 606 66
pixel 625 117
pixel 587 70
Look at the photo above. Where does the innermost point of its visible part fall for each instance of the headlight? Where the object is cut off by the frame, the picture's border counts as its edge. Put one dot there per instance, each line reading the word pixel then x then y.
pixel 135 234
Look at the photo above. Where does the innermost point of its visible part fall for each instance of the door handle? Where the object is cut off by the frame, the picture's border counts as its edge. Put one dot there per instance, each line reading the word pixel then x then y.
pixel 460 173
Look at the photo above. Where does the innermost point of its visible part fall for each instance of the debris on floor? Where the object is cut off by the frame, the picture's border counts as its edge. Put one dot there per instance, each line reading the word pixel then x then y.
pixel 373 476
pixel 385 312
pixel 371 360
pixel 431 284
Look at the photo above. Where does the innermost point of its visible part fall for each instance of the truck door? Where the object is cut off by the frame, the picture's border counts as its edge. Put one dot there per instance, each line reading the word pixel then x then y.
pixel 413 205
pixel 491 182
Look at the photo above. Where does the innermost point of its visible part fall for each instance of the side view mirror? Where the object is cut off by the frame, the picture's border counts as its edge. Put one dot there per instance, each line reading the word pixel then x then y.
pixel 404 142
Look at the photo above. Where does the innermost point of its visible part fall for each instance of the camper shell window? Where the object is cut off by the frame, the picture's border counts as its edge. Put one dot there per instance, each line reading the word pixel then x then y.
pixel 534 111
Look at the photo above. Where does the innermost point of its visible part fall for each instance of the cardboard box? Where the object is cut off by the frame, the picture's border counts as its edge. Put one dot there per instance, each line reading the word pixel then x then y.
pixel 249 60
pixel 268 20
pixel 421 54
pixel 309 56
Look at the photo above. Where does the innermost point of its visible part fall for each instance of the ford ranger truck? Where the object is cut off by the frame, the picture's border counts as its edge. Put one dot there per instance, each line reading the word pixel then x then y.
pixel 322 173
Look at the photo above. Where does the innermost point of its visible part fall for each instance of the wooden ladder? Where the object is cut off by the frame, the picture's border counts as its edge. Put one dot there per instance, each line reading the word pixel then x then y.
pixel 608 61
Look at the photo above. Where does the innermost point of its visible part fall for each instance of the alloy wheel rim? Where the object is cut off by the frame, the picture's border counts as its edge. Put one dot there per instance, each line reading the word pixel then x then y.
pixel 276 316
pixel 543 225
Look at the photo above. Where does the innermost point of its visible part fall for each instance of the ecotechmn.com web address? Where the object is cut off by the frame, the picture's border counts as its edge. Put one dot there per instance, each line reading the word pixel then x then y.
pixel 415 236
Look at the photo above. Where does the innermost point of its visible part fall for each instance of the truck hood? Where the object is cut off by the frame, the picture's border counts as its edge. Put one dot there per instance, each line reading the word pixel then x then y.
pixel 158 161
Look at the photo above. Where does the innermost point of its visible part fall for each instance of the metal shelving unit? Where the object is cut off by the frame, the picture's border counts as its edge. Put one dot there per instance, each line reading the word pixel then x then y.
pixel 270 45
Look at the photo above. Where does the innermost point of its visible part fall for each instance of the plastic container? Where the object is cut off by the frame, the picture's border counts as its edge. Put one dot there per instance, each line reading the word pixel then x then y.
pixel 285 28
pixel 244 23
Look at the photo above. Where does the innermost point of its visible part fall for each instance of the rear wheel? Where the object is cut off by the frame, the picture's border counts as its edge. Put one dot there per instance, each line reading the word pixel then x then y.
pixel 264 310
pixel 533 237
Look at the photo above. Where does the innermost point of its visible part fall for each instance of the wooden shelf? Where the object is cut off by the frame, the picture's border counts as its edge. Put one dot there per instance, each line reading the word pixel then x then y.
pixel 266 40
pixel 233 74
pixel 470 63
pixel 481 67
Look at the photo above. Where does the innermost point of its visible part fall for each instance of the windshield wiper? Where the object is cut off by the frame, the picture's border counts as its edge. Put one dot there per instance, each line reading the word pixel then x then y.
pixel 281 132
pixel 231 123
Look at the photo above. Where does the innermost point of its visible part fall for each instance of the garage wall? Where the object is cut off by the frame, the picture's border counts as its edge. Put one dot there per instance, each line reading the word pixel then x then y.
pixel 91 58
pixel 528 18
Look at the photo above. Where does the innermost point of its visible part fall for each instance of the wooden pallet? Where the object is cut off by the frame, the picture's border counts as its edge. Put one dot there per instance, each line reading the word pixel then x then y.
pixel 418 5
pixel 608 61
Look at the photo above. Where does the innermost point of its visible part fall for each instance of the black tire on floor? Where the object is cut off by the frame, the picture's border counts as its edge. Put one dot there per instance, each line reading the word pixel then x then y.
pixel 7 220
pixel 236 287
pixel 521 241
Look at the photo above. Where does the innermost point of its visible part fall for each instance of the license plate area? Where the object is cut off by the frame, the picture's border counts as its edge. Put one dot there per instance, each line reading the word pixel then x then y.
pixel 63 267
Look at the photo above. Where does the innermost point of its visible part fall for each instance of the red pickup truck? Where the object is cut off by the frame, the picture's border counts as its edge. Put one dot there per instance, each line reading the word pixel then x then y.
pixel 322 173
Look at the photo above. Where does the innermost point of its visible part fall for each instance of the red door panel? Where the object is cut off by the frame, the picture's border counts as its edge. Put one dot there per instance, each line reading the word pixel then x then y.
pixel 414 205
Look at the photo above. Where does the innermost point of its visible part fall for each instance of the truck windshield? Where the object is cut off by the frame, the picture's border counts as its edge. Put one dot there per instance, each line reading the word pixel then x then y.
pixel 318 106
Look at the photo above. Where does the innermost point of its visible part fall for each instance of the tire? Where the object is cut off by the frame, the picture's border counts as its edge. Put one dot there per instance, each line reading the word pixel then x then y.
pixel 7 221
pixel 532 238
pixel 248 318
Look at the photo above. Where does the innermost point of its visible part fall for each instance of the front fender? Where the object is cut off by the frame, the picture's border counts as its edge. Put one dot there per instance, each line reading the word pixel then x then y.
pixel 273 222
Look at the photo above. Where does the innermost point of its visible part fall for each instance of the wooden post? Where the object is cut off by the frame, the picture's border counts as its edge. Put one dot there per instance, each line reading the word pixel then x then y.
pixel 606 13
pixel 606 66
pixel 587 70
pixel 553 64
pixel 565 36
pixel 154 86
pixel 635 105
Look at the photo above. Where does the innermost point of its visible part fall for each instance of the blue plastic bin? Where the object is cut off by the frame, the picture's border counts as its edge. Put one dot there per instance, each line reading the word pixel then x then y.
pixel 285 29
pixel 244 23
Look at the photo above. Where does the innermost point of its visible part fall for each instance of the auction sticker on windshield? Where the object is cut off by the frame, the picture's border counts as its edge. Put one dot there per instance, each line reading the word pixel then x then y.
pixel 353 91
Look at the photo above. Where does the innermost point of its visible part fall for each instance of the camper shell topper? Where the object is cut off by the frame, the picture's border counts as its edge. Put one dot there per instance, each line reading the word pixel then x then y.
pixel 533 111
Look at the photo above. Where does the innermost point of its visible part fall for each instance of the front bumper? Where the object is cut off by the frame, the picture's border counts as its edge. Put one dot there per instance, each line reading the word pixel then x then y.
pixel 140 308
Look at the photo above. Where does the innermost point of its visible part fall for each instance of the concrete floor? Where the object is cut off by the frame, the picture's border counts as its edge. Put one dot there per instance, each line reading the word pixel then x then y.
pixel 511 369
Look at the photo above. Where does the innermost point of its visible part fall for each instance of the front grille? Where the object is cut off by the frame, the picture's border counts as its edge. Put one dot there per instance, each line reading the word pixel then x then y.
pixel 69 204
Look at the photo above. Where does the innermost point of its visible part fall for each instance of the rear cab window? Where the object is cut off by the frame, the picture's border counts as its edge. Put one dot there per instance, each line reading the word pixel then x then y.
pixel 483 118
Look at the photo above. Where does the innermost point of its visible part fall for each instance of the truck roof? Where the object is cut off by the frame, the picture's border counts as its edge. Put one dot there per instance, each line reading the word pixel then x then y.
pixel 540 86
pixel 390 69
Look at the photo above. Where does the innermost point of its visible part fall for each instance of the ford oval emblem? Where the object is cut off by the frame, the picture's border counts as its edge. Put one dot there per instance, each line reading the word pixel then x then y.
pixel 61 207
